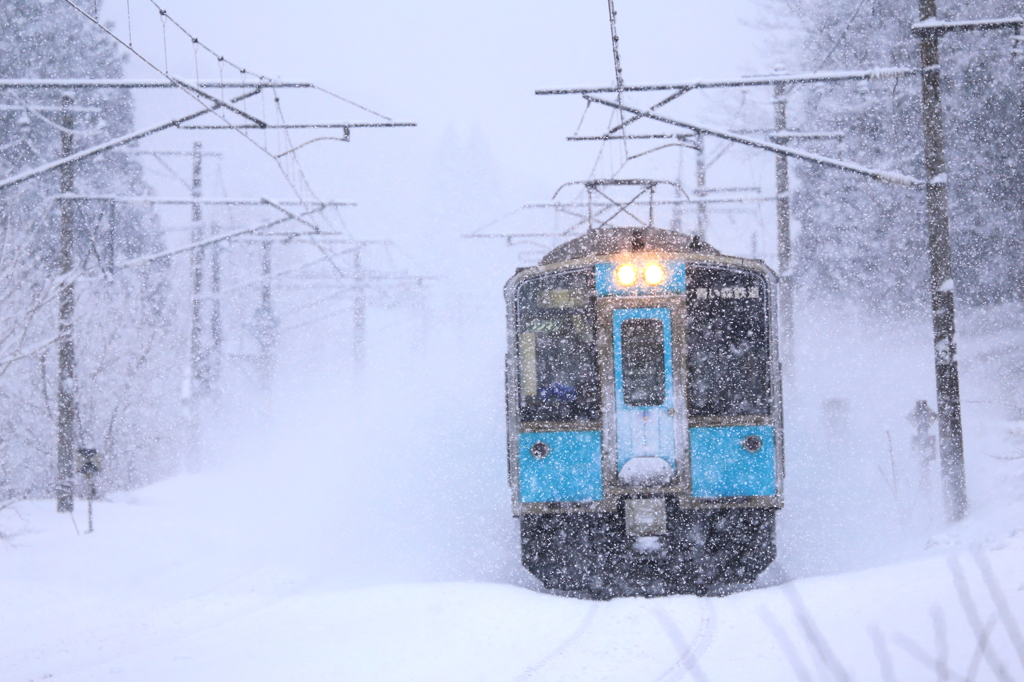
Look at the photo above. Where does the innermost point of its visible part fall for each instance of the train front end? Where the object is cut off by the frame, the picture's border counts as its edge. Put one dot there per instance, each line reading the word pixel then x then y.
pixel 645 440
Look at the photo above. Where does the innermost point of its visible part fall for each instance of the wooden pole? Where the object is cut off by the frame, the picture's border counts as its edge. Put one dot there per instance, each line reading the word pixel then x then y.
pixel 67 403
pixel 784 241
pixel 947 377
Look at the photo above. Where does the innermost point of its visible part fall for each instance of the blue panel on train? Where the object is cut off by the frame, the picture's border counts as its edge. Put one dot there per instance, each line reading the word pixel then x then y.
pixel 560 466
pixel 647 431
pixel 608 285
pixel 732 461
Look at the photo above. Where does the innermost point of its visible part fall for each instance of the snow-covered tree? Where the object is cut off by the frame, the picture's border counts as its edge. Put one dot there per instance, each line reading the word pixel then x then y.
pixel 127 381
pixel 865 240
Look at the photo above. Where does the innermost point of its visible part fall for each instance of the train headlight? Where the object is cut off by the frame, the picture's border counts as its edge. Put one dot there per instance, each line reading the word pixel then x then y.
pixel 626 274
pixel 654 274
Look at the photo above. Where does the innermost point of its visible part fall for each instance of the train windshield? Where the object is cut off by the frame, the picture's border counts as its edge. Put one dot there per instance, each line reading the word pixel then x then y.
pixel 557 348
pixel 728 344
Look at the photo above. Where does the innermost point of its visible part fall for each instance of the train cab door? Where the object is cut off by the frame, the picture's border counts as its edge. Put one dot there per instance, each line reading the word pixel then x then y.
pixel 647 417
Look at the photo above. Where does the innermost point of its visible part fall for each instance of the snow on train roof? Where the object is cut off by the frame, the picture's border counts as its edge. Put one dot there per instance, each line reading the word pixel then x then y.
pixel 609 240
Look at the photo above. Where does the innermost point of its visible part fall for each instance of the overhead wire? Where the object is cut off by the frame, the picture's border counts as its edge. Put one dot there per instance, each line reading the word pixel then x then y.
pixel 355 104
pixel 300 184
pixel 195 40
pixel 194 93
pixel 191 92
pixel 836 42
pixel 842 35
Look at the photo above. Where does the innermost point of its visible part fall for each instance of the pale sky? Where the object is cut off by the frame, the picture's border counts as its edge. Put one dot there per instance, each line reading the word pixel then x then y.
pixel 463 71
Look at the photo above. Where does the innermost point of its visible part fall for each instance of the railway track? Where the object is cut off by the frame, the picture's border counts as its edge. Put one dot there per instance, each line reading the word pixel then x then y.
pixel 688 653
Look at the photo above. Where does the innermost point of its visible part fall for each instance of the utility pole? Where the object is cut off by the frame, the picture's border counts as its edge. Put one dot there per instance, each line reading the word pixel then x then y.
pixel 212 353
pixel 358 317
pixel 947 377
pixel 782 213
pixel 197 375
pixel 216 322
pixel 676 224
pixel 197 352
pixel 702 181
pixel 67 403
pixel 265 323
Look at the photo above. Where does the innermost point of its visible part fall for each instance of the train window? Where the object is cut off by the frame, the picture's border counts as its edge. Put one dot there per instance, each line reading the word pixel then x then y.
pixel 643 362
pixel 727 337
pixel 558 376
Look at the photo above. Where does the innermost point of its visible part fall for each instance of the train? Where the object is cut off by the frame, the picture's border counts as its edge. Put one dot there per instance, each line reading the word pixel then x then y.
pixel 645 426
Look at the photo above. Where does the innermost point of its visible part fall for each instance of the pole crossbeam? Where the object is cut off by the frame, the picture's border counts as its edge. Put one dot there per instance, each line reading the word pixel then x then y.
pixel 46 107
pixel 355 275
pixel 885 176
pixel 154 152
pixel 299 126
pixel 820 77
pixel 659 202
pixel 683 137
pixel 604 138
pixel 515 235
pixel 217 201
pixel 179 122
pixel 937 27
pixel 339 236
pixel 76 83
pixel 783 135
pixel 113 144
pixel 212 240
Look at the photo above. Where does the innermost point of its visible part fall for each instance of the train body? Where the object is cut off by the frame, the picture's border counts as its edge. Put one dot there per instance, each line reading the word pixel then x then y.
pixel 645 440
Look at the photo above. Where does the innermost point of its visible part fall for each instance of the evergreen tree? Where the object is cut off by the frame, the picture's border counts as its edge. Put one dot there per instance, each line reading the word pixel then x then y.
pixel 864 240
pixel 126 374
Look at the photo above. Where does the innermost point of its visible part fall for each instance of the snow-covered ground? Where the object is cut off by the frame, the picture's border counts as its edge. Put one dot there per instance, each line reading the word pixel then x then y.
pixel 153 595
pixel 332 549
